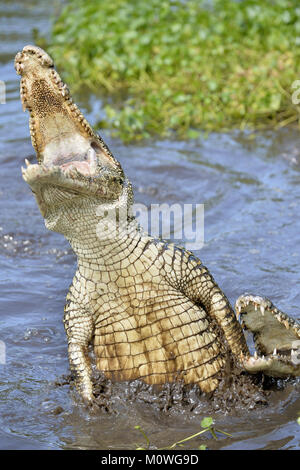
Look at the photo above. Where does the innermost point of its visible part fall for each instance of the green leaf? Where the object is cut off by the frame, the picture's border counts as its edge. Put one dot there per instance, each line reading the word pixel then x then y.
pixel 183 65
pixel 207 422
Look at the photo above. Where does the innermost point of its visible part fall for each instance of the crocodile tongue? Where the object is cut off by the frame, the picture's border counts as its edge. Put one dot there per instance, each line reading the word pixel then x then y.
pixel 86 167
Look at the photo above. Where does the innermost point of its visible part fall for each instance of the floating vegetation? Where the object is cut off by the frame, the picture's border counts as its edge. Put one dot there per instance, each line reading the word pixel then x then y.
pixel 207 425
pixel 166 67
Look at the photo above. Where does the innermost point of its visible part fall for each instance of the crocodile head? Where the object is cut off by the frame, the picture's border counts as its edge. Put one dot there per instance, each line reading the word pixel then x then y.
pixel 75 171
pixel 276 337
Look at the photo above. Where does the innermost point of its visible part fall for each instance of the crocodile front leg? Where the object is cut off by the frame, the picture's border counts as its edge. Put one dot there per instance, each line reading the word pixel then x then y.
pixel 186 273
pixel 79 329
pixel 202 288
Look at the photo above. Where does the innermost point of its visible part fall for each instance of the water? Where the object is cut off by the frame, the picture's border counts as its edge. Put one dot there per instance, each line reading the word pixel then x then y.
pixel 251 191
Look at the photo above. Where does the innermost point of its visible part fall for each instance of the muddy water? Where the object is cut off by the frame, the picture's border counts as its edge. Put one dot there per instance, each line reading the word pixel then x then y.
pixel 250 186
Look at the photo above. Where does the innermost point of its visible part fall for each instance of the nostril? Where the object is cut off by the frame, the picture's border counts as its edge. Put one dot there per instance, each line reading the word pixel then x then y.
pixel 95 146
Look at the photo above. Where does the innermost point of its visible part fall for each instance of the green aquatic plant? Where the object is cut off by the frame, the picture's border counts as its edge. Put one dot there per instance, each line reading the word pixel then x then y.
pixel 207 425
pixel 182 66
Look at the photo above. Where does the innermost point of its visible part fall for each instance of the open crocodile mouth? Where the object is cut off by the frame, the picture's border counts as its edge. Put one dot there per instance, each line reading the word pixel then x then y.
pixel 74 177
pixel 276 337
pixel 69 153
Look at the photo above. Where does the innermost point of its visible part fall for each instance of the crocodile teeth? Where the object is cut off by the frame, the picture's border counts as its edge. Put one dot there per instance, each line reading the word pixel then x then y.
pixel 262 309
pixel 24 173
pixel 92 159
pixel 275 352
pixel 64 90
pixel 27 162
pixel 255 355
pixel 286 324
pixel 255 306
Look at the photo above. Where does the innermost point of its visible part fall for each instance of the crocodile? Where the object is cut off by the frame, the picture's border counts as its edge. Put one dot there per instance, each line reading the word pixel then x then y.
pixel 151 310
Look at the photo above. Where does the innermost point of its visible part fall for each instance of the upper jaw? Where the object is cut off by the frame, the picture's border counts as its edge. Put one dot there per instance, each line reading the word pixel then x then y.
pixel 60 134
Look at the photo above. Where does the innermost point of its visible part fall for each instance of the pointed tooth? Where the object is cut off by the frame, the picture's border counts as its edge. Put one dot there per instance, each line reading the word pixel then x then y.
pixel 64 90
pixel 92 159
pixel 27 162
pixel 255 306
pixel 91 155
pixel 286 324
pixel 275 352
pixel 24 173
pixel 255 355
pixel 262 309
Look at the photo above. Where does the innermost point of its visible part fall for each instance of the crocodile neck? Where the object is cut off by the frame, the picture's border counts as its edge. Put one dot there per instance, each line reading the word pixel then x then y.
pixel 105 246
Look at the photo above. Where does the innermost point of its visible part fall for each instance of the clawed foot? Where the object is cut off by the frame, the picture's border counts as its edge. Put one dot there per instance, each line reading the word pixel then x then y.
pixel 96 404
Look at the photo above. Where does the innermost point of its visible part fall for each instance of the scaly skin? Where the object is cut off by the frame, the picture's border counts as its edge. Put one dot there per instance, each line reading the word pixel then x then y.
pixel 151 309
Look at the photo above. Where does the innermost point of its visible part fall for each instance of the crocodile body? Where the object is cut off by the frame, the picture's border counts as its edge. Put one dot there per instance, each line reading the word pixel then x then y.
pixel 151 309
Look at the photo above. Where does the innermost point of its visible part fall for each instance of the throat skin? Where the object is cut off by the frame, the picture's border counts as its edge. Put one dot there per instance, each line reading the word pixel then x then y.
pixel 104 243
